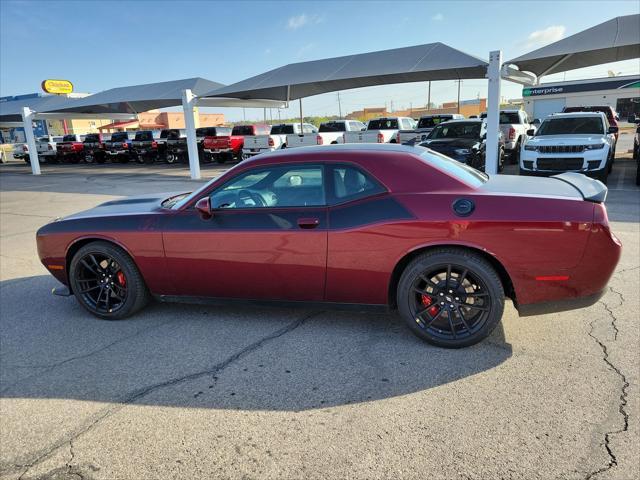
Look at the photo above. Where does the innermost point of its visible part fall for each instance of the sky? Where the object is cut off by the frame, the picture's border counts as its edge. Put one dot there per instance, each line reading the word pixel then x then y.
pixel 104 44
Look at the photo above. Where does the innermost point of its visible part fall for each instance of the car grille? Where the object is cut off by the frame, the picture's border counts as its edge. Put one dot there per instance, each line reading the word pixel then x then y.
pixel 560 164
pixel 561 148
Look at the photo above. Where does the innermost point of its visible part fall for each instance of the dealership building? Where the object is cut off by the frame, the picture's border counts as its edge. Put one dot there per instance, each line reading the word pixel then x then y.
pixel 621 93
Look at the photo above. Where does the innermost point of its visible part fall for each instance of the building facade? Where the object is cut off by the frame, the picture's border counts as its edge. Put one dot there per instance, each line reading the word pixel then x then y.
pixel 621 93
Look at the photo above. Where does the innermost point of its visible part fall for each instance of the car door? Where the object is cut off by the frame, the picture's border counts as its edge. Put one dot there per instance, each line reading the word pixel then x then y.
pixel 266 239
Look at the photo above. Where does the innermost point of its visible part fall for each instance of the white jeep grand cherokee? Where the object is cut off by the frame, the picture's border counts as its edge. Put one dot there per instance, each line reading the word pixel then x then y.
pixel 570 142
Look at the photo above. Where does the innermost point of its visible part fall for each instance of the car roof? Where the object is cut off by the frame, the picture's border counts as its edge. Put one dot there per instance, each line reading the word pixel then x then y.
pixel 464 120
pixel 577 114
pixel 331 149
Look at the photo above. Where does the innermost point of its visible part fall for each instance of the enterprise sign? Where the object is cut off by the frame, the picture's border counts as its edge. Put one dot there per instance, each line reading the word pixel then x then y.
pixel 581 87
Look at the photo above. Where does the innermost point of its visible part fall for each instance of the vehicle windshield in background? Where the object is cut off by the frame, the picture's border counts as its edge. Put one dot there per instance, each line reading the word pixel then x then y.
pixel 456 130
pixel 506 117
pixel 606 110
pixel 332 127
pixel 432 121
pixel 281 129
pixel 467 174
pixel 383 124
pixel 69 138
pixel 119 136
pixel 242 130
pixel 144 136
pixel 211 131
pixel 91 138
pixel 575 125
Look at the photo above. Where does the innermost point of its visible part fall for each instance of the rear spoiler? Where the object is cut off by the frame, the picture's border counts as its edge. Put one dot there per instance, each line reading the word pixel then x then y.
pixel 591 190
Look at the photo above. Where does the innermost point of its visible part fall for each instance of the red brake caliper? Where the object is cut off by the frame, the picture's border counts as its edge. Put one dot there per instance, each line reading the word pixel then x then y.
pixel 122 280
pixel 426 301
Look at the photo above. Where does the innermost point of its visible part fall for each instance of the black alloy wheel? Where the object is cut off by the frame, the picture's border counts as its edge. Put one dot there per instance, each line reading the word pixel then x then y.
pixel 106 281
pixel 451 297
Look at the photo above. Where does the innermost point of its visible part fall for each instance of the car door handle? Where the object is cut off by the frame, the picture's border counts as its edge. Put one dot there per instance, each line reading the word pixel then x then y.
pixel 308 222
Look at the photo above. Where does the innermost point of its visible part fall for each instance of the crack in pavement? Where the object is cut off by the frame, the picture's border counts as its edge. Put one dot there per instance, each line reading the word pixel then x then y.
pixel 613 461
pixel 53 366
pixel 214 370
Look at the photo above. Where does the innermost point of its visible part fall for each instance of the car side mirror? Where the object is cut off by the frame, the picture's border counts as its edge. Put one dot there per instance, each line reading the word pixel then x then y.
pixel 204 207
pixel 613 129
pixel 531 132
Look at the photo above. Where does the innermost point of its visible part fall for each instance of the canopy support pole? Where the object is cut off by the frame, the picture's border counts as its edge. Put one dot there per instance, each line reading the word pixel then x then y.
pixel 188 102
pixel 27 122
pixel 301 120
pixel 493 112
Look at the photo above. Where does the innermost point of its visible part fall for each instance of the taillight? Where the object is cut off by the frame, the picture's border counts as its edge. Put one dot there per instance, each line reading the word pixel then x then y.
pixel 319 140
pixel 154 144
pixel 512 133
pixel 271 142
pixel 124 145
pixel 380 138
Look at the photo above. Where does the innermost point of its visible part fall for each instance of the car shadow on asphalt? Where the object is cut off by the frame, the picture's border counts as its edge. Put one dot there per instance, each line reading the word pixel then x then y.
pixel 242 358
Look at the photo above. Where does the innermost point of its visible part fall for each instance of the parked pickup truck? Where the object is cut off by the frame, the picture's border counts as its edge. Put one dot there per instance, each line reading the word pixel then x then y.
pixel 381 130
pixel 145 145
pixel 329 133
pixel 204 132
pixel 513 125
pixel 47 148
pixel 276 139
pixel 94 148
pixel 119 147
pixel 176 145
pixel 426 124
pixel 71 148
pixel 227 147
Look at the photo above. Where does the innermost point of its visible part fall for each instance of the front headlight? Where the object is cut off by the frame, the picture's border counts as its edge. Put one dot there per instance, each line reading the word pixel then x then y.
pixel 462 151
pixel 531 148
pixel 597 146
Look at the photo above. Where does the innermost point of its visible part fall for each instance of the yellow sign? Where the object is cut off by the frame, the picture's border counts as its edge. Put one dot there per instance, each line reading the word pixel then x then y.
pixel 57 87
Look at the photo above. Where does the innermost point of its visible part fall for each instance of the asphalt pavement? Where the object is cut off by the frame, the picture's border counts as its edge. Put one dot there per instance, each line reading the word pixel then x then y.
pixel 185 391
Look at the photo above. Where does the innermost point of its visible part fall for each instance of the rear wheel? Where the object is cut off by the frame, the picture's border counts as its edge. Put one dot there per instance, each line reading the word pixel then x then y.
pixel 106 281
pixel 450 297
pixel 514 158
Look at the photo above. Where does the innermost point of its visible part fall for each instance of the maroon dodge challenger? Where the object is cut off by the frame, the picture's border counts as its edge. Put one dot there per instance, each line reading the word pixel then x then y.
pixel 382 226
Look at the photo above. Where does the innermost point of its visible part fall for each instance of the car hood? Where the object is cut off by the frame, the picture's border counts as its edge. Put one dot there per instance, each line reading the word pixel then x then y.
pixel 127 206
pixel 566 140
pixel 449 143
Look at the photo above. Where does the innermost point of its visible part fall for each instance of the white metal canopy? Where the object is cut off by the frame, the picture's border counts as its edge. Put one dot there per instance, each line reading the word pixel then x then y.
pixel 614 40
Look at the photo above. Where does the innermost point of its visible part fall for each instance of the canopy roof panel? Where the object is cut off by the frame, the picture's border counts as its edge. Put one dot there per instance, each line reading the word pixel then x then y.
pixel 12 111
pixel 614 40
pixel 433 61
pixel 135 98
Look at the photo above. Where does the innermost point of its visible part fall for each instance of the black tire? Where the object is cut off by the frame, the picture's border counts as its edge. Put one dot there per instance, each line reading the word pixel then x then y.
pixel 171 158
pixel 500 159
pixel 220 158
pixel 514 157
pixel 479 290
pixel 136 294
pixel 638 173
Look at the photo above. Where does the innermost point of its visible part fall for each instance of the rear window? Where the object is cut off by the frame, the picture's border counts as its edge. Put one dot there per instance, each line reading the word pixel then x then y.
pixel 576 125
pixel 606 110
pixel 206 132
pixel 383 124
pixel 282 130
pixel 505 117
pixel 242 130
pixel 144 136
pixel 69 138
pixel 431 122
pixel 92 138
pixel 456 169
pixel 119 136
pixel 165 133
pixel 332 127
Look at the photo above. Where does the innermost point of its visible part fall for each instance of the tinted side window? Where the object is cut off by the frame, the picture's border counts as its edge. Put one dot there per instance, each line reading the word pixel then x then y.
pixel 351 183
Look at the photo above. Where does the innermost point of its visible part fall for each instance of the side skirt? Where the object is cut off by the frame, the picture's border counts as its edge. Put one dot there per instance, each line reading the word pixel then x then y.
pixel 352 307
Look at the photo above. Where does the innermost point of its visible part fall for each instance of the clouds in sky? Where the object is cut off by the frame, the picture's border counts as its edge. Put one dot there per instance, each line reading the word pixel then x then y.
pixel 299 21
pixel 545 36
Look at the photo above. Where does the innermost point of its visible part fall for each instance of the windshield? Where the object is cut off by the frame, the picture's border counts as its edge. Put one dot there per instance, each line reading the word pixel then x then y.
pixel 456 130
pixel 92 137
pixel 242 130
pixel 144 136
pixel 572 125
pixel 383 124
pixel 282 129
pixel 119 136
pixel 69 138
pixel 332 127
pixel 430 122
pixel 506 117
pixel 462 172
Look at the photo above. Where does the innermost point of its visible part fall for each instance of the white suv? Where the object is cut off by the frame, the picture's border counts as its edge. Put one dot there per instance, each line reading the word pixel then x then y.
pixel 570 142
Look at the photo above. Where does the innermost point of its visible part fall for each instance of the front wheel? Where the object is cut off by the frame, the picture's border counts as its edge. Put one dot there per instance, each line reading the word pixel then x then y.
pixel 450 297
pixel 106 281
